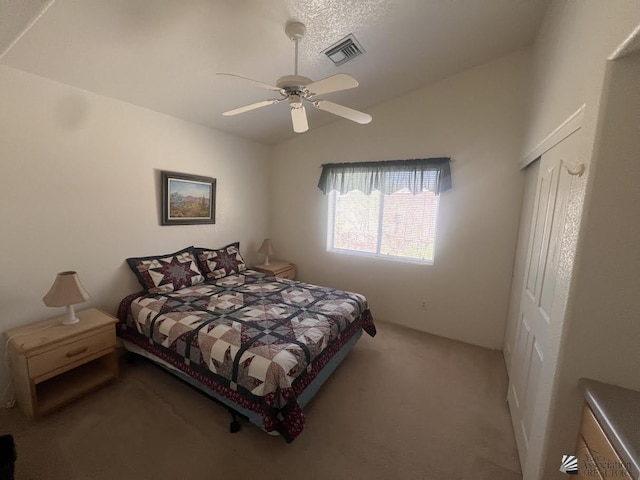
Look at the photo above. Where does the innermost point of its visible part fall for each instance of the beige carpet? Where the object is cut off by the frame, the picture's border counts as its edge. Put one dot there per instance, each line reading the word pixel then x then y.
pixel 403 405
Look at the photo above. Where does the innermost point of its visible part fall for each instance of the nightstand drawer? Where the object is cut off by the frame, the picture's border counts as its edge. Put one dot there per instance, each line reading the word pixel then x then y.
pixel 70 353
pixel 289 274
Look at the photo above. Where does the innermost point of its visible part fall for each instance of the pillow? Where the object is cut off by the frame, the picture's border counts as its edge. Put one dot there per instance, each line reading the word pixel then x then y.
pixel 167 273
pixel 221 262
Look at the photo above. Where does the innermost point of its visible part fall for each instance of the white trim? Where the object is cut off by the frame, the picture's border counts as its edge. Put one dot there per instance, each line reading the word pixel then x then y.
pixel 566 128
pixel 380 256
pixel 629 46
pixel 331 217
pixel 31 23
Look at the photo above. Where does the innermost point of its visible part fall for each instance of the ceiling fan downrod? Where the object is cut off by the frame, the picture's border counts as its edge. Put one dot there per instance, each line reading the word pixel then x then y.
pixel 295 31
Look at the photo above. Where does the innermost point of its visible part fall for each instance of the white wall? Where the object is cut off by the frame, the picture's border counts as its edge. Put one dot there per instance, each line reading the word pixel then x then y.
pixel 569 70
pixel 569 61
pixel 476 117
pixel 80 189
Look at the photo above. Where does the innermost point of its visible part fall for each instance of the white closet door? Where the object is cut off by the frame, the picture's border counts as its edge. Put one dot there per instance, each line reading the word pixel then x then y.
pixel 530 344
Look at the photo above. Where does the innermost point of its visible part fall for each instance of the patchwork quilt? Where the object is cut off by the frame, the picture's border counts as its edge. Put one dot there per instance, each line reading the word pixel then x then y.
pixel 255 339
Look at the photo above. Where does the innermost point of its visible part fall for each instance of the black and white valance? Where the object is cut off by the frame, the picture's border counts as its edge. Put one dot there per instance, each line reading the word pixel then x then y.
pixel 416 175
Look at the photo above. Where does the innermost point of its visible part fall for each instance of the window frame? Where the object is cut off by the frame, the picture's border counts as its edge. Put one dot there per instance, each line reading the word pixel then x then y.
pixel 332 200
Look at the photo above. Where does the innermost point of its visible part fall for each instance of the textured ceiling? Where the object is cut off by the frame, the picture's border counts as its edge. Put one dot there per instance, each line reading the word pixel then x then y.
pixel 163 54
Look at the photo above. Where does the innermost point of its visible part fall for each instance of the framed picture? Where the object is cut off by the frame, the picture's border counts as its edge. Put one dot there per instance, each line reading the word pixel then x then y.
pixel 188 199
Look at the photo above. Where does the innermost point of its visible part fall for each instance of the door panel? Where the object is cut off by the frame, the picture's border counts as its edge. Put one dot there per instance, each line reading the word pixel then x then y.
pixel 538 229
pixel 553 254
pixel 531 179
pixel 535 367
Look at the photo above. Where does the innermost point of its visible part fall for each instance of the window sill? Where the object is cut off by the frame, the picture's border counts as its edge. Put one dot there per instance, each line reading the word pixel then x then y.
pixel 388 258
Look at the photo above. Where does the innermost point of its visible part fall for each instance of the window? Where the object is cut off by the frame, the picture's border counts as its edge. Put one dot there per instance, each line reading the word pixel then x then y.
pixel 385 209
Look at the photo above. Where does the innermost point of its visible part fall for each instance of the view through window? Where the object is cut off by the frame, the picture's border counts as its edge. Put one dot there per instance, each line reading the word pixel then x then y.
pixel 399 225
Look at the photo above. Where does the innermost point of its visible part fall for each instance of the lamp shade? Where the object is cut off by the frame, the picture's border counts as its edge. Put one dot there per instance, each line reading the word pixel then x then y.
pixel 267 247
pixel 66 290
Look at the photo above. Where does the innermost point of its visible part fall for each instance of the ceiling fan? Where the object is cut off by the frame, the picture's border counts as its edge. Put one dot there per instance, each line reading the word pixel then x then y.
pixel 299 90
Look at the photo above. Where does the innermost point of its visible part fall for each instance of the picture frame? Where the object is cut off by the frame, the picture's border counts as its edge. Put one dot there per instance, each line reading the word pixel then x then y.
pixel 188 199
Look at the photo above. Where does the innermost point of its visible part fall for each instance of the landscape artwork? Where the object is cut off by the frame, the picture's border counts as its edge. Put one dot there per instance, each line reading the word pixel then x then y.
pixel 187 199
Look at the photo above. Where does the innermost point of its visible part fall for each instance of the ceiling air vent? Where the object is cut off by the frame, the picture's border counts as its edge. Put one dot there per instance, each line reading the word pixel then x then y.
pixel 344 50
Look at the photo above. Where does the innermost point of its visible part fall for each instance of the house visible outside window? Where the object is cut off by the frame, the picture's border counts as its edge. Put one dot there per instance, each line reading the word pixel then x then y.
pixel 385 209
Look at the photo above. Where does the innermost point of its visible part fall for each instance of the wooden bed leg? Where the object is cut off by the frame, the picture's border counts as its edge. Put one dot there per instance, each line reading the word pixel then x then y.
pixel 234 426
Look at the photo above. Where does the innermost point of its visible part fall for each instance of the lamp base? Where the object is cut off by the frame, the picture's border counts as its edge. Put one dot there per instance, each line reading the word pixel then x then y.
pixel 266 260
pixel 70 318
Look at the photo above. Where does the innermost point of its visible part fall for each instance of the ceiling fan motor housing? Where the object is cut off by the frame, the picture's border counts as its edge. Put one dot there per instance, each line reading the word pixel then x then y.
pixel 293 84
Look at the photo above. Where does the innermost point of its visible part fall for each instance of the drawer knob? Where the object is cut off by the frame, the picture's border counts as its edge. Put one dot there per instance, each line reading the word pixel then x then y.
pixel 77 351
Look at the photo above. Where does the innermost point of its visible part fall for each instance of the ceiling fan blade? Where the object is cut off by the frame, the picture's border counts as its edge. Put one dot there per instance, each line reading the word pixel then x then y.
pixel 334 83
pixel 250 107
pixel 299 119
pixel 255 83
pixel 342 111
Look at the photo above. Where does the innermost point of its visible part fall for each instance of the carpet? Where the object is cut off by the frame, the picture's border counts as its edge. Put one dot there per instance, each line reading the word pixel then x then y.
pixel 403 405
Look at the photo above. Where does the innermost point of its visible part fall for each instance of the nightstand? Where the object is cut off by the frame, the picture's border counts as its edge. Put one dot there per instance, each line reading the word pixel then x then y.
pixel 278 269
pixel 54 364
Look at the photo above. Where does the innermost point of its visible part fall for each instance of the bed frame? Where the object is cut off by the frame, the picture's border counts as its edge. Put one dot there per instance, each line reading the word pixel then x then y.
pixel 234 409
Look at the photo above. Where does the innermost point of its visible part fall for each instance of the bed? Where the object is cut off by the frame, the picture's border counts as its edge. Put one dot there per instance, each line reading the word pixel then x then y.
pixel 261 345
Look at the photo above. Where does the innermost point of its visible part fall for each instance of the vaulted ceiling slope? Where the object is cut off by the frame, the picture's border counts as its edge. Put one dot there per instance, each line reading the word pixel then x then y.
pixel 164 54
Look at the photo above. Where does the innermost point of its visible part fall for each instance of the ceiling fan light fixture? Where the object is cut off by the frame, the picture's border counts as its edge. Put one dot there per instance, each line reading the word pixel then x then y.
pixel 299 118
pixel 295 101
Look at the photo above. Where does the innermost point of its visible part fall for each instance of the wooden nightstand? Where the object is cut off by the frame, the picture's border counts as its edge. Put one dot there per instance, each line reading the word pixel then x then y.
pixel 278 269
pixel 53 364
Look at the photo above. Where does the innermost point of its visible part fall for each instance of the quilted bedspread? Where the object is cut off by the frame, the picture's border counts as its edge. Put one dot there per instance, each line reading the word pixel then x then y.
pixel 255 339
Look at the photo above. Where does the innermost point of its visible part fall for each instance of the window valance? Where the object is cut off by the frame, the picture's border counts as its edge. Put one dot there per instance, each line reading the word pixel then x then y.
pixel 433 174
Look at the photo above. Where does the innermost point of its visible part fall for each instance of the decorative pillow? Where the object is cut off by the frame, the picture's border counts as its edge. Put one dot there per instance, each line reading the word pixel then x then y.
pixel 167 273
pixel 221 262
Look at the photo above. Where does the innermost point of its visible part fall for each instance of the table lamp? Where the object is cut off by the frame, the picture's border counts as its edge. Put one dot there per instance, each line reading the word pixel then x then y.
pixel 266 249
pixel 65 292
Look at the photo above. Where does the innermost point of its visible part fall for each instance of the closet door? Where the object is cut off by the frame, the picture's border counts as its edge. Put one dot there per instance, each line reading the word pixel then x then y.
pixel 530 342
